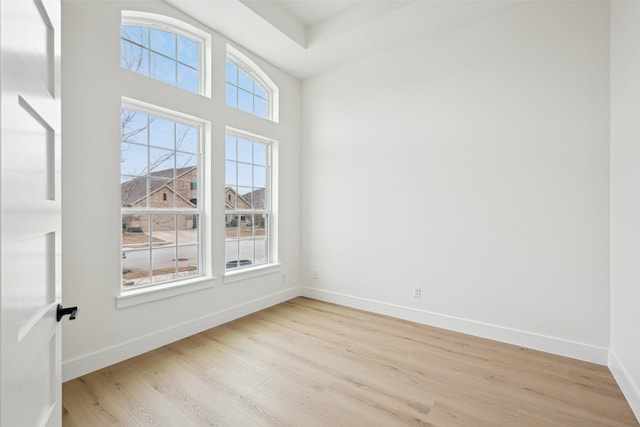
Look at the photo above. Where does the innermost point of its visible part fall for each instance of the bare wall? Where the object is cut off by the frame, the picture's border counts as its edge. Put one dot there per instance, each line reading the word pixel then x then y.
pixel 624 359
pixel 473 163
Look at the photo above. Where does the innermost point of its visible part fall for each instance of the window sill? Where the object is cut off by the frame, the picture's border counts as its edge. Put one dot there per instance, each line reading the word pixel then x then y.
pixel 250 273
pixel 140 296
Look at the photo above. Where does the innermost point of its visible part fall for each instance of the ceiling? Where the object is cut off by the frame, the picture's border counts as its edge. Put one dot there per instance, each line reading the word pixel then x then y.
pixel 308 37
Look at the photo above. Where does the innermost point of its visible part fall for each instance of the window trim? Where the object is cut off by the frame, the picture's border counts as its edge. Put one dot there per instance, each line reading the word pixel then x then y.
pixel 271 203
pixel 175 26
pixel 255 72
pixel 151 292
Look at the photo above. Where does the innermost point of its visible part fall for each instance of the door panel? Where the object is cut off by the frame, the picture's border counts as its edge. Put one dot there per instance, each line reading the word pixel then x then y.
pixel 30 224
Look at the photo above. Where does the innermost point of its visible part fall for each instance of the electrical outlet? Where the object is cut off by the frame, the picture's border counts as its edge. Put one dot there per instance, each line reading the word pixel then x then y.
pixel 315 275
pixel 417 292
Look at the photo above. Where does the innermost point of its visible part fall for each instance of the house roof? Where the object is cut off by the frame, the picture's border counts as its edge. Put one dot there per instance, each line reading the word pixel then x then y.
pixel 133 191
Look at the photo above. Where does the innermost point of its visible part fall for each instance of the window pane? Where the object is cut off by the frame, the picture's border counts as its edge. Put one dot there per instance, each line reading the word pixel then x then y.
pixel 185 162
pixel 261 251
pixel 188 261
pixel 163 264
pixel 134 57
pixel 232 73
pixel 259 198
pixel 133 191
pixel 244 198
pixel 163 69
pixel 231 96
pixel 161 193
pixel 161 133
pixel 161 162
pixel 245 151
pixel 260 154
pixel 163 42
pixel 188 79
pixel 257 89
pixel 245 175
pixel 188 52
pixel 260 107
pixel 245 81
pixel 138 35
pixel 134 126
pixel 245 101
pixel 133 159
pixel 188 230
pixel 186 138
pixel 259 176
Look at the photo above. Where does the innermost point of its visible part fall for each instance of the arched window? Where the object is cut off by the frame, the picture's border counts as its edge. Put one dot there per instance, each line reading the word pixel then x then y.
pixel 248 88
pixel 165 49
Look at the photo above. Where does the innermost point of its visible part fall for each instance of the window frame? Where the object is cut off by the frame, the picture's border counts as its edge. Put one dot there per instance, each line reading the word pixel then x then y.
pixel 137 294
pixel 179 28
pixel 270 204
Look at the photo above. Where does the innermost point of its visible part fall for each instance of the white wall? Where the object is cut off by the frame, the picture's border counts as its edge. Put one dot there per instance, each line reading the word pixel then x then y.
pixel 474 163
pixel 93 83
pixel 625 199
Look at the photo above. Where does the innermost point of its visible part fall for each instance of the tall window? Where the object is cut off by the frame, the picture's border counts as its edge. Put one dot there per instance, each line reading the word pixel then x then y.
pixel 247 200
pixel 160 209
pixel 164 53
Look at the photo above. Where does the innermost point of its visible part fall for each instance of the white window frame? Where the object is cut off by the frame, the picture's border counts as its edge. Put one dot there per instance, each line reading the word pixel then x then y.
pixel 255 72
pixel 154 291
pixel 171 25
pixel 270 208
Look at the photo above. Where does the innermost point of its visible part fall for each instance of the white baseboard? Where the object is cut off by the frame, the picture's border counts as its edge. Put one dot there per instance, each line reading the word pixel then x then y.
pixel 91 362
pixel 630 389
pixel 534 341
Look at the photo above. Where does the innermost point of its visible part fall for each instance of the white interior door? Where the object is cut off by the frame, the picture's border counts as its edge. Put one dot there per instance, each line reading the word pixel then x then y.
pixel 30 289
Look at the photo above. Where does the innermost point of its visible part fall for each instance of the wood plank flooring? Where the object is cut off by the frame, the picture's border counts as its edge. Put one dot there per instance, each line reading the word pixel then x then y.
pixel 309 363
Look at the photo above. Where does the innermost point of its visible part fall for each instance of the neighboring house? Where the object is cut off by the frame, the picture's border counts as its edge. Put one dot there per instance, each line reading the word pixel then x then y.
pixel 233 201
pixel 164 192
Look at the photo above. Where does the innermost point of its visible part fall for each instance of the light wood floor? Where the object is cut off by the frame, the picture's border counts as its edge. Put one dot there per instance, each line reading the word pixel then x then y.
pixel 308 363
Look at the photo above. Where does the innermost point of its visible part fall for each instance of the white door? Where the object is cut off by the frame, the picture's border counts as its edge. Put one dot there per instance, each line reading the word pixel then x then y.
pixel 30 289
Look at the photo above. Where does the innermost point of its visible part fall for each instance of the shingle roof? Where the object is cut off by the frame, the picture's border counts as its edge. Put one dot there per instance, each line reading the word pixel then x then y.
pixel 131 192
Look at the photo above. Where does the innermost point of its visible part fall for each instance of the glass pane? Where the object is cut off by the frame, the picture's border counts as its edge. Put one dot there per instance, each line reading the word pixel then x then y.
pixel 133 191
pixel 188 261
pixel 231 253
pixel 245 81
pixel 186 193
pixel 161 162
pixel 139 35
pixel 260 154
pixel 161 133
pixel 163 42
pixel 257 89
pixel 186 138
pixel 188 230
pixel 134 126
pixel 162 194
pixel 232 72
pixel 259 198
pixel 261 251
pixel 230 147
pixel 163 264
pixel 245 101
pixel 230 179
pixel 231 96
pixel 163 69
pixel 244 198
pixel 260 224
pixel 188 52
pixel 231 198
pixel 260 176
pixel 245 252
pixel 135 250
pixel 134 57
pixel 133 159
pixel 184 160
pixel 245 151
pixel 260 107
pixel 188 79
pixel 244 175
